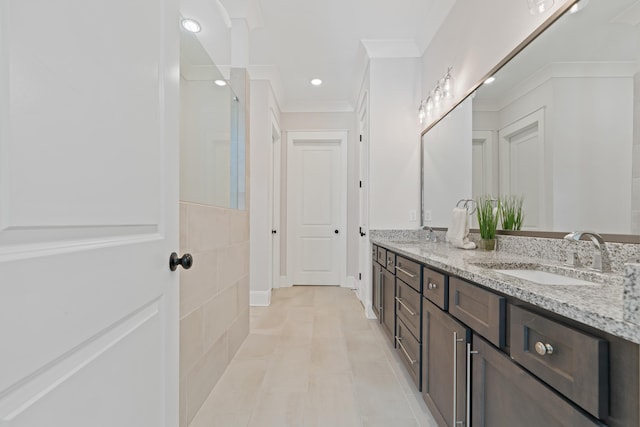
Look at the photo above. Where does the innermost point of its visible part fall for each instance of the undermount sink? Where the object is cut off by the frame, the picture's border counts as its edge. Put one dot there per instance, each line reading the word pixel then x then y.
pixel 545 278
pixel 540 273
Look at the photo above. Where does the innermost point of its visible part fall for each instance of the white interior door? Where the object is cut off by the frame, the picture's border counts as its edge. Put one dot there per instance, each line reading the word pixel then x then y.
pixel 481 167
pixel 316 182
pixel 88 213
pixel 276 153
pixel 522 168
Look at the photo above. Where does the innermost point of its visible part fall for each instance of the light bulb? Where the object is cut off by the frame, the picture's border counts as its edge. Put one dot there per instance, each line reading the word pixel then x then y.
pixel 437 94
pixel 447 85
pixel 429 104
pixel 191 25
pixel 537 7
pixel 422 114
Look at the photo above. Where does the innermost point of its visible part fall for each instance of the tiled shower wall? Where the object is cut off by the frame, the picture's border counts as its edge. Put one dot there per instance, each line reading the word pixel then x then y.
pixel 214 298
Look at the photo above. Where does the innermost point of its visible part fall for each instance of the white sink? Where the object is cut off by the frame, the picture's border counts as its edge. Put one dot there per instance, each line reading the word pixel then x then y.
pixel 545 278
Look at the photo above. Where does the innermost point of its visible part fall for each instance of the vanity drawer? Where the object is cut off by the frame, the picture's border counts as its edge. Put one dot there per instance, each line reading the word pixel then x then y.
pixel 571 361
pixel 435 287
pixel 408 306
pixel 409 349
pixel 391 262
pixel 481 310
pixel 409 272
pixel 381 256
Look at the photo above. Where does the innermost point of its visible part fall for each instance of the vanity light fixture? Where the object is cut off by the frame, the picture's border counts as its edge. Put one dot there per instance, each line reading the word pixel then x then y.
pixel 489 80
pixel 220 82
pixel 316 82
pixel 538 7
pixel 442 90
pixel 191 25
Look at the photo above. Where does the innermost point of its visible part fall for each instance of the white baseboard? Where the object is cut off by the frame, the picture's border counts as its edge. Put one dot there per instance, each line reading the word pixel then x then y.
pixel 284 282
pixel 260 298
pixel 368 311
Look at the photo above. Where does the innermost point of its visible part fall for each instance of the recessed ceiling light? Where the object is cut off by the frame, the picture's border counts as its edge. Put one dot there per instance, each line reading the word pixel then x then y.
pixel 191 25
pixel 490 80
pixel 220 82
pixel 316 82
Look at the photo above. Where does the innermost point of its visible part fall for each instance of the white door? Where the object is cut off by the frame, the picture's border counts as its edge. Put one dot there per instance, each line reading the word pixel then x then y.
pixel 275 203
pixel 316 182
pixel 88 213
pixel 522 167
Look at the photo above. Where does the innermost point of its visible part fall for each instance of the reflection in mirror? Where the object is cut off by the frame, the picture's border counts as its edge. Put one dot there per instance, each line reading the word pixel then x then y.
pixel 211 153
pixel 560 125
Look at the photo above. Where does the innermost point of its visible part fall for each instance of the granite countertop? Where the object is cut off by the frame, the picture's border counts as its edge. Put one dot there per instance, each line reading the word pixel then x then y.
pixel 599 305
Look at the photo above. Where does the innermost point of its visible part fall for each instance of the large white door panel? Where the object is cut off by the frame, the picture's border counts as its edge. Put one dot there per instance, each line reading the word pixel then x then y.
pixel 88 213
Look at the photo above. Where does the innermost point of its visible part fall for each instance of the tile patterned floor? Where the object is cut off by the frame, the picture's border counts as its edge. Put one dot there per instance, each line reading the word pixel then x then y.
pixel 313 359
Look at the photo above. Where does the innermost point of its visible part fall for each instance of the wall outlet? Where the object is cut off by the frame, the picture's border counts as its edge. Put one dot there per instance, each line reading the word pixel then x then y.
pixel 427 215
pixel 413 215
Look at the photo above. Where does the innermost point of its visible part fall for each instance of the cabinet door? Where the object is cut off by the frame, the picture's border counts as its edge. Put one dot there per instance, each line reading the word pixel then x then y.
pixel 389 304
pixel 505 395
pixel 444 365
pixel 376 296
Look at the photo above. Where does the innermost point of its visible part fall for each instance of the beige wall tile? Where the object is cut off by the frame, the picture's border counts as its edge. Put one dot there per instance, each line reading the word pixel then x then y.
pixel 208 227
pixel 243 293
pixel 184 229
pixel 191 341
pixel 204 376
pixel 233 264
pixel 239 226
pixel 219 313
pixel 238 332
pixel 200 282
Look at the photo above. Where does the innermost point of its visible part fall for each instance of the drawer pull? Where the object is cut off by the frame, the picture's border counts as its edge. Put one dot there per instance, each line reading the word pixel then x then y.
pixel 433 286
pixel 542 348
pixel 411 312
pixel 399 341
pixel 413 276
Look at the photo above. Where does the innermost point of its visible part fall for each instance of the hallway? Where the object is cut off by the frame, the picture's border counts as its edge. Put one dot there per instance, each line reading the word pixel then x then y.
pixel 312 359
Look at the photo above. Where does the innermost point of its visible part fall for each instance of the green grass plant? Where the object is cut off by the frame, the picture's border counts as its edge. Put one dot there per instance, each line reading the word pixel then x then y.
pixel 488 212
pixel 511 212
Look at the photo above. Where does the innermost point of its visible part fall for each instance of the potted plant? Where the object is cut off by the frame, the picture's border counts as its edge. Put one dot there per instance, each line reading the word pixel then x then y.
pixel 488 211
pixel 511 212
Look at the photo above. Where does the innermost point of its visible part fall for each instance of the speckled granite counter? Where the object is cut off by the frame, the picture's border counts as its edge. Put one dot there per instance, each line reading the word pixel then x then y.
pixel 599 305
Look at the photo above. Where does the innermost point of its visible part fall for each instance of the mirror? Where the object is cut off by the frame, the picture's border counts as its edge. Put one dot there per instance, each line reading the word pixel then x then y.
pixel 560 126
pixel 212 154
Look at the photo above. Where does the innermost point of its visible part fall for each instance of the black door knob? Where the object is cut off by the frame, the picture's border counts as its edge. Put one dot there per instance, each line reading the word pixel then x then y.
pixel 274 231
pixel 186 261
pixel 336 231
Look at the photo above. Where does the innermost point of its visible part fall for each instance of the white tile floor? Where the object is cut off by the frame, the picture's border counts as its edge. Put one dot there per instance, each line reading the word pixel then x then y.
pixel 313 359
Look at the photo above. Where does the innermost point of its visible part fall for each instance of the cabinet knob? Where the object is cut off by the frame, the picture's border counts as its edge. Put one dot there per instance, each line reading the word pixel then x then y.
pixel 433 285
pixel 542 348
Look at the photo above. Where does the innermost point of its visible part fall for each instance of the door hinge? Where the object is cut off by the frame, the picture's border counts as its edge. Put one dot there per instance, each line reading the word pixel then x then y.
pixel 360 138
pixel 359 276
pixel 360 184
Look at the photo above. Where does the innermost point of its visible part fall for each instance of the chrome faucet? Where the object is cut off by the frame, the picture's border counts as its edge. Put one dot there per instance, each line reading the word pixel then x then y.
pixel 601 260
pixel 431 235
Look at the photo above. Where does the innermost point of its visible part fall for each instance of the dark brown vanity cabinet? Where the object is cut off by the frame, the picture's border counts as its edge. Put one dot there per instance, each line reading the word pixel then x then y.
pixel 444 356
pixel 505 395
pixel 388 285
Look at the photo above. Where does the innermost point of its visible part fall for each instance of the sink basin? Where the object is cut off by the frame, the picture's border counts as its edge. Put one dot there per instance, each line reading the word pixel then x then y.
pixel 545 278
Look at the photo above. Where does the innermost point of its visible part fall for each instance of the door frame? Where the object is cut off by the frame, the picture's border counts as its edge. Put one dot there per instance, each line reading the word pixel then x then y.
pixel 319 136
pixel 274 201
pixel 364 254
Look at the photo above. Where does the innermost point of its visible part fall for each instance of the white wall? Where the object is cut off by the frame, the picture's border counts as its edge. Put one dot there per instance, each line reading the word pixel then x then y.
pixel 394 143
pixel 263 108
pixel 327 121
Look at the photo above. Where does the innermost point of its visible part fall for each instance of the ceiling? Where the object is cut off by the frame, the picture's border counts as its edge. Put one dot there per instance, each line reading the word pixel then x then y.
pixel 293 41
